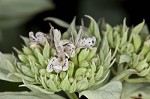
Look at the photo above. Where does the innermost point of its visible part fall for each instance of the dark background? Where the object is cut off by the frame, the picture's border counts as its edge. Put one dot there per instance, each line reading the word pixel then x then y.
pixel 113 11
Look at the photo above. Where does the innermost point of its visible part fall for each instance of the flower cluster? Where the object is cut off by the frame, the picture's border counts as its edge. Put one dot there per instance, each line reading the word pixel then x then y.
pixel 51 63
pixel 82 61
pixel 133 48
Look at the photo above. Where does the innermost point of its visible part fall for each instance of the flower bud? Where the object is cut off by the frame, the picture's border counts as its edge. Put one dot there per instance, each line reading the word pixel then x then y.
pixel 83 55
pixel 62 75
pixel 80 71
pixel 27 51
pixel 23 58
pixel 130 47
pixel 43 72
pixel 52 85
pixel 73 87
pixel 145 48
pixel 141 65
pixel 71 69
pixel 27 71
pixel 136 42
pixel 144 72
pixel 46 50
pixel 148 57
pixel 40 57
pixel 65 84
pixel 92 53
pixel 71 80
pixel 31 58
pixel 82 84
pixel 99 73
pixel 84 64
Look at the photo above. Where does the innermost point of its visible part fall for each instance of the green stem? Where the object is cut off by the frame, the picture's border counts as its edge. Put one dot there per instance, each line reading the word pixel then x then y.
pixel 71 95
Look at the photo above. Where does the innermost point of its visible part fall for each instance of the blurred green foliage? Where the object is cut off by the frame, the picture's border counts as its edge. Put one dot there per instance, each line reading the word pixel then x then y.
pixel 14 13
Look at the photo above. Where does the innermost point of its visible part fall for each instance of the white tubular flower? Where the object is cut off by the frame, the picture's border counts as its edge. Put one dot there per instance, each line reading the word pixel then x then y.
pixel 64 46
pixel 39 38
pixel 57 64
pixel 87 42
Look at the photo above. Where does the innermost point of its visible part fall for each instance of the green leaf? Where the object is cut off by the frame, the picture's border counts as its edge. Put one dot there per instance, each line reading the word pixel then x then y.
pixel 16 12
pixel 111 90
pixel 57 21
pixel 135 90
pixel 28 95
pixel 7 61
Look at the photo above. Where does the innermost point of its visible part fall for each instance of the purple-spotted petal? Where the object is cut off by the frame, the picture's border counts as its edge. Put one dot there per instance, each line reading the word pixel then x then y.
pixel 70 49
pixel 87 42
pixel 41 38
pixel 50 66
pixel 32 37
pixel 65 65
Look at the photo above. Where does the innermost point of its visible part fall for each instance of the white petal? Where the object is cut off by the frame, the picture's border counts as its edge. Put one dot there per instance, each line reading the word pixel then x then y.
pixel 65 65
pixel 64 42
pixel 57 68
pixel 41 38
pixel 49 68
pixel 70 49
pixel 57 36
pixel 51 64
pixel 87 42
pixel 31 37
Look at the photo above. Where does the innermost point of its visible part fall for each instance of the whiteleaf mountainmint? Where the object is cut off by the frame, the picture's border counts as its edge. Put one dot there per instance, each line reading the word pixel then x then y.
pixel 93 61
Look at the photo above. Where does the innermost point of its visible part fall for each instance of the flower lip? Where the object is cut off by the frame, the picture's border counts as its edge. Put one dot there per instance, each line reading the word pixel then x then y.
pixel 39 38
pixel 57 64
pixel 87 42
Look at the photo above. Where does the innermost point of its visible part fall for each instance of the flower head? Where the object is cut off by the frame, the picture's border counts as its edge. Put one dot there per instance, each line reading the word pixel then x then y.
pixel 50 63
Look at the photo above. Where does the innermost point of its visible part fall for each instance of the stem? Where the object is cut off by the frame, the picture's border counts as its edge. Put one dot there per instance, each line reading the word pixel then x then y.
pixel 71 95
